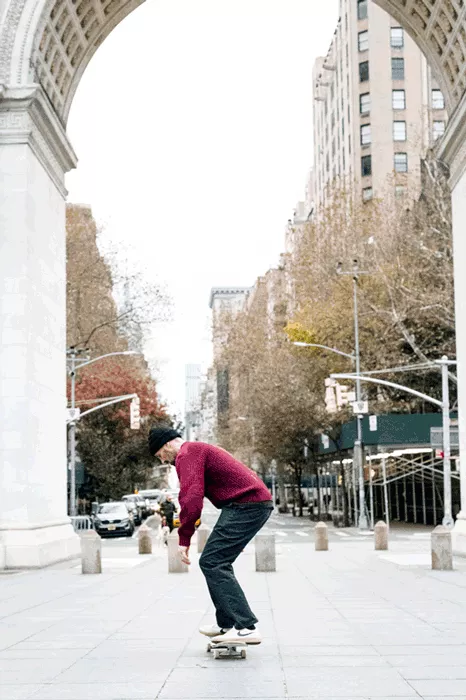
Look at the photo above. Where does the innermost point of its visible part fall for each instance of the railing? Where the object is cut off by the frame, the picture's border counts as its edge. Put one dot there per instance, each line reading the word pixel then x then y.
pixel 81 522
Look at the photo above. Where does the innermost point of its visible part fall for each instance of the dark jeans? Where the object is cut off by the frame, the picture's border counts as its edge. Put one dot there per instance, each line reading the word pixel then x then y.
pixel 236 526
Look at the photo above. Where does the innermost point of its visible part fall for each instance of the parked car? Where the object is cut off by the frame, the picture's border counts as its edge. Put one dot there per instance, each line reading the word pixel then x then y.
pixel 113 520
pixel 139 505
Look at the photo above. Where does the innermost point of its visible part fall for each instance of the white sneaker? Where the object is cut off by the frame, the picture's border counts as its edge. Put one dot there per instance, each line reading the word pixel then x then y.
pixel 240 636
pixel 212 630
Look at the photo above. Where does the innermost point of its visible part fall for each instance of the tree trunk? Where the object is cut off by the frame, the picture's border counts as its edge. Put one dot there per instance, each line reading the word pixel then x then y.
pixel 281 488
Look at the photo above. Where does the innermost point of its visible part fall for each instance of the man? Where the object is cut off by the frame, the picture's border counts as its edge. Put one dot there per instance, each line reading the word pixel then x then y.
pixel 208 471
pixel 168 509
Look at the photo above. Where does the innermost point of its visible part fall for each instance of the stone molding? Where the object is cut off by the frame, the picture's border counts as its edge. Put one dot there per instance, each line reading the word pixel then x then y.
pixel 27 117
pixel 452 147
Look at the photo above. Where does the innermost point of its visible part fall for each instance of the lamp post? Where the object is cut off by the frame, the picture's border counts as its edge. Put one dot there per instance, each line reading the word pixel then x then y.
pixel 358 453
pixel 358 447
pixel 74 355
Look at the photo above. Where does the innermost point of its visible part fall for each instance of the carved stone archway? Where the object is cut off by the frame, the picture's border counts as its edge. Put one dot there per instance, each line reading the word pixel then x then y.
pixel 45 46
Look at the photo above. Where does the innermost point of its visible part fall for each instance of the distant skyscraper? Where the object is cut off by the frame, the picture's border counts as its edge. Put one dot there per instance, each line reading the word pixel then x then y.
pixel 193 383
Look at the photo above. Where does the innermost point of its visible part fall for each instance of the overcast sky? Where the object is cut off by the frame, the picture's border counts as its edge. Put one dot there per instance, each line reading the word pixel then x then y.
pixel 193 128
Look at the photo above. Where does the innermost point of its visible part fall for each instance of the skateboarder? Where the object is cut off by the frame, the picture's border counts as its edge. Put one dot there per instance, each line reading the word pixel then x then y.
pixel 246 503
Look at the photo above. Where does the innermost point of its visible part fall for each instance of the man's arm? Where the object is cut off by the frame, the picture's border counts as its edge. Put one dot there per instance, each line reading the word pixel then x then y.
pixel 190 467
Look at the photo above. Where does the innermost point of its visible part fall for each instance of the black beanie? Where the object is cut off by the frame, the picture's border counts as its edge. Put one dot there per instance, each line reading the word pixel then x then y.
pixel 158 437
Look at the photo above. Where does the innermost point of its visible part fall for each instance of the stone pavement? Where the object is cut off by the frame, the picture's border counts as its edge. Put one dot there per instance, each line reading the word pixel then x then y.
pixel 349 623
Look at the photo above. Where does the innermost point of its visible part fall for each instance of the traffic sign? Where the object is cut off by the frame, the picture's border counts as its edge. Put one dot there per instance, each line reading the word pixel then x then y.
pixel 72 414
pixel 436 438
pixel 360 407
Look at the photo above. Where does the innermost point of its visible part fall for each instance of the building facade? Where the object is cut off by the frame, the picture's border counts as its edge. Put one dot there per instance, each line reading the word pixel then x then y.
pixel 377 108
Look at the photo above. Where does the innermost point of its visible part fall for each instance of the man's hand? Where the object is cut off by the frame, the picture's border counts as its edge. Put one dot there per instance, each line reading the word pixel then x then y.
pixel 184 554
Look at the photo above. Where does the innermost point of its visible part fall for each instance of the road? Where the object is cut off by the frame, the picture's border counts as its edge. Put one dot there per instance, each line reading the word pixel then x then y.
pixel 290 531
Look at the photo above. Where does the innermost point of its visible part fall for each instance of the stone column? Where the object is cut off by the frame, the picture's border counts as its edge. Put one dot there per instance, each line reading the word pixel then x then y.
pixel 453 152
pixel 34 156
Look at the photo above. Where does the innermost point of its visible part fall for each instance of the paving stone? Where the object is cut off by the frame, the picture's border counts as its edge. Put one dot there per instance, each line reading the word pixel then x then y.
pixel 98 691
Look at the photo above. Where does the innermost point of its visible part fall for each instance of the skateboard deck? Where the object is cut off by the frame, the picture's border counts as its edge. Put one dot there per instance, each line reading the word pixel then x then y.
pixel 227 649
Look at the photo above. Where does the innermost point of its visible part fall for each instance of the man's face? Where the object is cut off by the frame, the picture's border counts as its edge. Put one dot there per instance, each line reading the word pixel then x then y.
pixel 167 453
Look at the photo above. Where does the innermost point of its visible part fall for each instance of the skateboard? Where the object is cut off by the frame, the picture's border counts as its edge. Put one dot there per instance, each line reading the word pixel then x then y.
pixel 220 650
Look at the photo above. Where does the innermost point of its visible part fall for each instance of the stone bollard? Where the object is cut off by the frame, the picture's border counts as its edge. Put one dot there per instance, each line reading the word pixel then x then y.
pixel 145 540
pixel 153 521
pixel 321 531
pixel 91 556
pixel 381 535
pixel 203 533
pixel 441 547
pixel 265 552
pixel 175 565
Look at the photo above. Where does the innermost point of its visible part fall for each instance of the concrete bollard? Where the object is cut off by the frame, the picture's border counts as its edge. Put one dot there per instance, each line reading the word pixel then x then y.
pixel 321 531
pixel 175 565
pixel 265 553
pixel 381 535
pixel 203 533
pixel 441 548
pixel 154 521
pixel 145 540
pixel 91 553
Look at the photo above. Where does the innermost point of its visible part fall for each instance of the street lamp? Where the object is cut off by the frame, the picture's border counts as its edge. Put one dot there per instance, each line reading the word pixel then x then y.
pixel 299 344
pixel 358 449
pixel 74 354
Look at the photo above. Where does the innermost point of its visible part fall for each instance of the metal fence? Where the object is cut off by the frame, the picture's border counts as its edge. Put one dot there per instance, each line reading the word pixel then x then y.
pixel 81 522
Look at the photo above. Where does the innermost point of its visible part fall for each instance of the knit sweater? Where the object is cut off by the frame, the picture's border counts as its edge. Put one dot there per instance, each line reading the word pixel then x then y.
pixel 211 472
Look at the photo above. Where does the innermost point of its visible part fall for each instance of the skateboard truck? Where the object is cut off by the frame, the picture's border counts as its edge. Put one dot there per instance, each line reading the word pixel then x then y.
pixel 227 649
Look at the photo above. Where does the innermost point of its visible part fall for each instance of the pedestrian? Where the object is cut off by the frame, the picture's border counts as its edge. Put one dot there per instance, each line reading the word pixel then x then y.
pixel 165 531
pixel 246 505
pixel 168 509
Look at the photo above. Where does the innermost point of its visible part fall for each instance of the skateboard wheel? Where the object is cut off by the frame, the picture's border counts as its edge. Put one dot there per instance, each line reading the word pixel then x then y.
pixel 216 654
pixel 243 653
pixel 209 648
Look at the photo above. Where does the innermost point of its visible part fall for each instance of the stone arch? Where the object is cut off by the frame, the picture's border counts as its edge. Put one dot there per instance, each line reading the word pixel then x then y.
pixel 439 29
pixel 50 43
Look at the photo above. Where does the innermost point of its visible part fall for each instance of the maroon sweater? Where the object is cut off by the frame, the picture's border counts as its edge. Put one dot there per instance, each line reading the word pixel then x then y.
pixel 211 472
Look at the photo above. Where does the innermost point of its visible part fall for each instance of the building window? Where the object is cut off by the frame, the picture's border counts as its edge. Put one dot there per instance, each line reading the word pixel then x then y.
pixel 398 69
pixel 365 134
pixel 439 129
pixel 399 131
pixel 400 191
pixel 396 38
pixel 438 101
pixel 366 166
pixel 367 194
pixel 363 41
pixel 363 71
pixel 365 103
pixel 401 162
pixel 398 99
pixel 362 9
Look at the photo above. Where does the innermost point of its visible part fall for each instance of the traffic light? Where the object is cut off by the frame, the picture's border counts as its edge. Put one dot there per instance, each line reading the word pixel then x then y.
pixel 134 414
pixel 330 400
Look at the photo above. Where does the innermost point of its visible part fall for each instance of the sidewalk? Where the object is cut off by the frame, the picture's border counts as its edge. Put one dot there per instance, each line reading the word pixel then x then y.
pixel 349 623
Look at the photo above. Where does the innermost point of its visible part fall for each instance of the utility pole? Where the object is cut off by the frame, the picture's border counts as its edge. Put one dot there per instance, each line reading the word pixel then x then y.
pixel 73 354
pixel 358 451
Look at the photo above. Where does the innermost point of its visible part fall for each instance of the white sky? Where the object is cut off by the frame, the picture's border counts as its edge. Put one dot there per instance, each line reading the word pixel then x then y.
pixel 193 128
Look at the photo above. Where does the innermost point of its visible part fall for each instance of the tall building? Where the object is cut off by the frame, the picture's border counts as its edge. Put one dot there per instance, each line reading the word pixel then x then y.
pixel 377 108
pixel 192 401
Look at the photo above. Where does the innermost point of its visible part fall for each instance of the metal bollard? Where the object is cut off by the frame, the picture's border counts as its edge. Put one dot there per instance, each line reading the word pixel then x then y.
pixel 441 548
pixel 175 565
pixel 203 533
pixel 145 540
pixel 321 531
pixel 265 553
pixel 381 535
pixel 91 553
